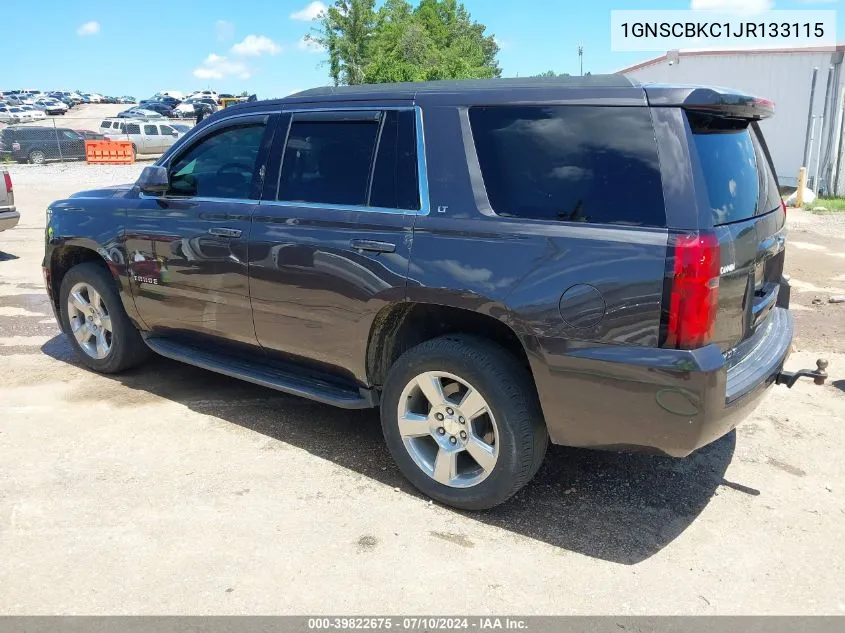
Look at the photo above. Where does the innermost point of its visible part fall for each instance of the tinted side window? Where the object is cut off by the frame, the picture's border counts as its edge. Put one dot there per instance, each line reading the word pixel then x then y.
pixel 328 161
pixel 222 165
pixel 594 164
pixel 151 130
pixel 133 128
pixel 395 175
pixel 105 124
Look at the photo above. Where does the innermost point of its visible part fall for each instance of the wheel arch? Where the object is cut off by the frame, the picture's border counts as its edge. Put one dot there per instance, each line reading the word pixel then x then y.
pixel 71 253
pixel 400 326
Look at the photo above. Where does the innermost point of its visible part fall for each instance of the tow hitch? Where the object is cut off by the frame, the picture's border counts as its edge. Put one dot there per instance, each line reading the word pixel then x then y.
pixel 789 378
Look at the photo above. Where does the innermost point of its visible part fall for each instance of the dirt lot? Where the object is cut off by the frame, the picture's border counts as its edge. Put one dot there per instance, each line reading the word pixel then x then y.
pixel 174 490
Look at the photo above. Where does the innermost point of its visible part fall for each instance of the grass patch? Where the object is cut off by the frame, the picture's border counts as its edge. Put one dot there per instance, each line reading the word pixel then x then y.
pixel 830 205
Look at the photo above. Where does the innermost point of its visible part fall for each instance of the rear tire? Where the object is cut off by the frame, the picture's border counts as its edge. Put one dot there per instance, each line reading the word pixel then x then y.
pixel 96 323
pixel 449 451
pixel 37 157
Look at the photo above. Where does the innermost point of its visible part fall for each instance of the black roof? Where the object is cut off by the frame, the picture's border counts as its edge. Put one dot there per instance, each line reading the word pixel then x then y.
pixel 412 89
pixel 617 87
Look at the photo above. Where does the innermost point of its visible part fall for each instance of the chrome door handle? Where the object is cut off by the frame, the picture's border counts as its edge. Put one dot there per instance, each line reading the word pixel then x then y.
pixel 224 232
pixel 373 246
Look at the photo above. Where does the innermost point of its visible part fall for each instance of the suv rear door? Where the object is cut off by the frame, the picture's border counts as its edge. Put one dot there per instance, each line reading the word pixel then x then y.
pixel 331 237
pixel 749 219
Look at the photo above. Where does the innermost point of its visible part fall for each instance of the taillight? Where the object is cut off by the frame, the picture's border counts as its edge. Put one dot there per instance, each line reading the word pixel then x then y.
pixel 783 206
pixel 16 147
pixel 694 291
pixel 8 180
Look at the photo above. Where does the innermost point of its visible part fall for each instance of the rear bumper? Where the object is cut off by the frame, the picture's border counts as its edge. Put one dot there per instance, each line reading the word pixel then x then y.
pixel 655 400
pixel 9 218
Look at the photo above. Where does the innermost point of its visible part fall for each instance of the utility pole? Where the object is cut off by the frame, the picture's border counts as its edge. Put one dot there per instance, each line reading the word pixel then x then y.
pixel 581 56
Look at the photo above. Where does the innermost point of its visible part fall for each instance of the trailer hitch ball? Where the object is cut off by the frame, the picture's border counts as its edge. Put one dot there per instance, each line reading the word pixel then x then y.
pixel 821 371
pixel 789 378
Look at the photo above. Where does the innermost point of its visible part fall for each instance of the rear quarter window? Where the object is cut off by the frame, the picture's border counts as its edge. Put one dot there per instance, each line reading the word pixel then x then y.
pixel 594 164
pixel 737 172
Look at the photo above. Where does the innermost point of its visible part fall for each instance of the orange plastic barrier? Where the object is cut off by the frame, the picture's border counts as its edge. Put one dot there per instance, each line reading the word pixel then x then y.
pixel 109 152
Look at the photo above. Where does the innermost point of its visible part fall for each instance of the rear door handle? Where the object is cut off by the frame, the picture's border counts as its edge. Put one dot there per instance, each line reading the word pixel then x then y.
pixel 373 246
pixel 224 232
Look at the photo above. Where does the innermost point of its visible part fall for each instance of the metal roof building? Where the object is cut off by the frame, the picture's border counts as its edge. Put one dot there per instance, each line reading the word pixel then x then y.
pixel 783 76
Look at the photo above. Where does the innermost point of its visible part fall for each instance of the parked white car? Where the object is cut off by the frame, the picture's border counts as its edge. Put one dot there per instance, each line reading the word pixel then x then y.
pixel 147 137
pixel 139 113
pixel 112 126
pixel 31 113
pixel 8 116
pixel 206 93
pixel 176 94
pixel 20 99
pixel 51 106
pixel 95 97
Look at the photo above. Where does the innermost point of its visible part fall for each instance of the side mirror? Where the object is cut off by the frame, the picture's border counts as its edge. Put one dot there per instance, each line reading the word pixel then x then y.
pixel 153 180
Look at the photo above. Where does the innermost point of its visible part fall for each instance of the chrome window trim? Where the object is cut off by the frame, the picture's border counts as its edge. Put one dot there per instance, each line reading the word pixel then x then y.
pixel 422 173
pixel 144 196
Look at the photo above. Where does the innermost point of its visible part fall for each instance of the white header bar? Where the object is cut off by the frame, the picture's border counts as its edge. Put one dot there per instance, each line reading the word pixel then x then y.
pixel 654 30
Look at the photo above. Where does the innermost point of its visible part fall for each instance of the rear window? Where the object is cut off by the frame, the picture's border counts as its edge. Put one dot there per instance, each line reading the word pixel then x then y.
pixel 328 161
pixel 133 128
pixel 736 168
pixel 595 164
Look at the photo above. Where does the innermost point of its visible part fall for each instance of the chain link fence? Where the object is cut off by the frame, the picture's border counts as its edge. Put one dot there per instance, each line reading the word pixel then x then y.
pixel 42 139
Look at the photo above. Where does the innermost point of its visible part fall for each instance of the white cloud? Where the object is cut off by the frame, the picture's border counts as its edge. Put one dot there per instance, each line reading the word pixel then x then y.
pixel 89 28
pixel 254 45
pixel 742 7
pixel 309 45
pixel 309 12
pixel 502 44
pixel 219 67
pixel 225 30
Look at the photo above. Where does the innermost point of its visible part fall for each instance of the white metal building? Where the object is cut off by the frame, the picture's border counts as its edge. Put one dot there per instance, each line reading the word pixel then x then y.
pixel 783 76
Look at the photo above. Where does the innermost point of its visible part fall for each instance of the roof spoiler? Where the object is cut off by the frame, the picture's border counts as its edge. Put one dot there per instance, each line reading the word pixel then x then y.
pixel 722 102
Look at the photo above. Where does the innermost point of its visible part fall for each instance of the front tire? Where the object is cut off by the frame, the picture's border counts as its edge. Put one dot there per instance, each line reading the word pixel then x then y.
pixel 461 418
pixel 94 320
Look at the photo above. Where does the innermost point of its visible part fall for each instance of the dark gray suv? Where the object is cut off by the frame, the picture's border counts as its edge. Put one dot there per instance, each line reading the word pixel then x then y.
pixel 495 264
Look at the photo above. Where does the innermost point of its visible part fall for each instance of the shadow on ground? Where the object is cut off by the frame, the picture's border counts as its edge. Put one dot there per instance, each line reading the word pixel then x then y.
pixel 620 508
pixel 839 384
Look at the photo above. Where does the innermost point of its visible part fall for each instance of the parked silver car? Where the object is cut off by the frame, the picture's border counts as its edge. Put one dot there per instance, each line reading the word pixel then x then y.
pixel 148 137
pixel 9 216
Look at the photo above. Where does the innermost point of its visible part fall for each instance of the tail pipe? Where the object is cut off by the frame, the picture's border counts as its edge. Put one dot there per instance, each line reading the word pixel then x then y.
pixel 789 378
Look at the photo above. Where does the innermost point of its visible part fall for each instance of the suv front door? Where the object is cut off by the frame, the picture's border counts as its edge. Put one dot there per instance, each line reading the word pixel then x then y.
pixel 331 238
pixel 187 249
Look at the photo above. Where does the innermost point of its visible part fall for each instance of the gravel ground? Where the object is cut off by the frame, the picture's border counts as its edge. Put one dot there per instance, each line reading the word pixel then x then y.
pixel 170 489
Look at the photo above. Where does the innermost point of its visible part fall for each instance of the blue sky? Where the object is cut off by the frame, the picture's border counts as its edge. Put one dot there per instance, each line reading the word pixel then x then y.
pixel 119 48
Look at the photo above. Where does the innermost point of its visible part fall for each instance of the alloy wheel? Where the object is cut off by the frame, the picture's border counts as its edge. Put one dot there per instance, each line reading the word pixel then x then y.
pixel 448 429
pixel 90 321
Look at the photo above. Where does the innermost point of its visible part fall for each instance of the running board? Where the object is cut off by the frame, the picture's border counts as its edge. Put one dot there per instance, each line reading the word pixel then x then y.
pixel 278 378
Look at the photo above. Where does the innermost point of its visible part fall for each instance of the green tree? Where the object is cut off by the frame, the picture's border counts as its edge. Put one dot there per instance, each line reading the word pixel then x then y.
pixel 437 39
pixel 346 29
pixel 551 73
